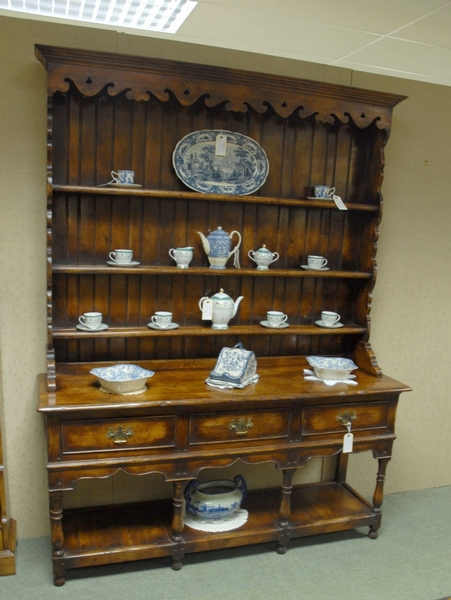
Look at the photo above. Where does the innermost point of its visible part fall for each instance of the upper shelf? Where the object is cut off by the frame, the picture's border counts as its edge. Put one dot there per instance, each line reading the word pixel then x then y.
pixel 159 270
pixel 169 194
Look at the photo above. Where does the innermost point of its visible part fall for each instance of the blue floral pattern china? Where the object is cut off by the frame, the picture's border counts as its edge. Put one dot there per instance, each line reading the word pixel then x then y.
pixel 242 170
pixel 122 379
pixel 215 500
pixel 336 368
pixel 234 365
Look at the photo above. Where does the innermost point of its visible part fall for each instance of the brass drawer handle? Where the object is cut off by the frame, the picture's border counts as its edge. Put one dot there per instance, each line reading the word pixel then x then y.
pixel 242 427
pixel 121 435
pixel 347 417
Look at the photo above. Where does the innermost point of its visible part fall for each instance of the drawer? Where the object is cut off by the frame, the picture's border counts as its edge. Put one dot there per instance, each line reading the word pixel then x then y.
pixel 327 419
pixel 239 426
pixel 117 434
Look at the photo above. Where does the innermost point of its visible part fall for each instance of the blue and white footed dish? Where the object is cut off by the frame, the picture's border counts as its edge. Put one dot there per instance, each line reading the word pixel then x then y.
pixel 122 379
pixel 215 500
pixel 336 368
pixel 242 169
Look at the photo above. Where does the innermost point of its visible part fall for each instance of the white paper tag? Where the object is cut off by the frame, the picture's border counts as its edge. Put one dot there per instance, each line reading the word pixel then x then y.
pixel 207 310
pixel 221 145
pixel 348 441
pixel 339 202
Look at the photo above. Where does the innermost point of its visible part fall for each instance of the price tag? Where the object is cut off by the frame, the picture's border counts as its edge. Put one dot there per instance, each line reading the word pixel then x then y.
pixel 221 145
pixel 348 441
pixel 339 202
pixel 207 310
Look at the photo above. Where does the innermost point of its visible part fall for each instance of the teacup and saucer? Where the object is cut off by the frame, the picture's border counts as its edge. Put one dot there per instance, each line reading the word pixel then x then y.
pixel 275 319
pixel 162 320
pixel 329 319
pixel 91 321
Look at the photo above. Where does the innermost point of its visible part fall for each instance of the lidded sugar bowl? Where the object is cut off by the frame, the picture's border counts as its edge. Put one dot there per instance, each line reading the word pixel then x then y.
pixel 263 257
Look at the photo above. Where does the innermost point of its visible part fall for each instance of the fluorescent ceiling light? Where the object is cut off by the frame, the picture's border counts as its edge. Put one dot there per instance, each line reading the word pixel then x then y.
pixel 165 16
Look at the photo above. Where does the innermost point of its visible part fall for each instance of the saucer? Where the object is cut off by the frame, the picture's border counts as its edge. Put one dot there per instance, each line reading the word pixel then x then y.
pixel 334 326
pixel 307 268
pixel 82 327
pixel 171 326
pixel 269 326
pixel 125 185
pixel 132 263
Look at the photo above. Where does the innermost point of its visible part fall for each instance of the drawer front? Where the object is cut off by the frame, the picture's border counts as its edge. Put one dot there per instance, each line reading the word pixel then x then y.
pixel 239 426
pixel 333 419
pixel 117 434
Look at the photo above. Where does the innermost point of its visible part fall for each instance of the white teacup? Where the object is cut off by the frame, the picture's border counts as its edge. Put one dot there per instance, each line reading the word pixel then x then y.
pixel 123 176
pixel 121 256
pixel 162 319
pixel 182 256
pixel 93 320
pixel 329 318
pixel 316 262
pixel 276 318
pixel 324 191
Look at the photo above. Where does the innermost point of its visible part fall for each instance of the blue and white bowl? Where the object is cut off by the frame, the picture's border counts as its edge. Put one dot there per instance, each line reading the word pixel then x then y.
pixel 331 367
pixel 215 500
pixel 122 379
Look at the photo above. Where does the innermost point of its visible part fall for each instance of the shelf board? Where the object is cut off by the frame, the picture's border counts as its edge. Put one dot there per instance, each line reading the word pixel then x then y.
pixel 109 534
pixel 205 271
pixel 200 331
pixel 182 195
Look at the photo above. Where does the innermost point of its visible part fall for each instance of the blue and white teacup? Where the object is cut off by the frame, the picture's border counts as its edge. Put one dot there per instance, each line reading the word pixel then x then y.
pixel 324 191
pixel 123 176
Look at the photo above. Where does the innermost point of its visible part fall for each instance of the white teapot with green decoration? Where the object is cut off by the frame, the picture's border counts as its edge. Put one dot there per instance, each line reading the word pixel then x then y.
pixel 219 309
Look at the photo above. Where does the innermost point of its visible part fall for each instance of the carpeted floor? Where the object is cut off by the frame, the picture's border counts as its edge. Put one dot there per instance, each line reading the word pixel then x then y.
pixel 410 560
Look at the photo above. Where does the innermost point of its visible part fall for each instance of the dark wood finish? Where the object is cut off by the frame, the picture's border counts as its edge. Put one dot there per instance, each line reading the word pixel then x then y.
pixel 109 112
pixel 7 525
pixel 187 430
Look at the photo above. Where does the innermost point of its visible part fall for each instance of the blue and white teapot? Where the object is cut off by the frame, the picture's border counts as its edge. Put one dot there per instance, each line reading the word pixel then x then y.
pixel 217 247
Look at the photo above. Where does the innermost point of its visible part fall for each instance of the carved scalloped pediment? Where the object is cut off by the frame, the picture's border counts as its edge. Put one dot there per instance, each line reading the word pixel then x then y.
pixel 92 72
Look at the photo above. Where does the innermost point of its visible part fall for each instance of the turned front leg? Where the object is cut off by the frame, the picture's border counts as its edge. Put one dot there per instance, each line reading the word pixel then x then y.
pixel 57 538
pixel 378 497
pixel 285 511
pixel 178 550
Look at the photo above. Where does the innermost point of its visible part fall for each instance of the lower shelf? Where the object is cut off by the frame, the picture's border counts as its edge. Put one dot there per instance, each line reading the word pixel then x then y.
pixel 101 535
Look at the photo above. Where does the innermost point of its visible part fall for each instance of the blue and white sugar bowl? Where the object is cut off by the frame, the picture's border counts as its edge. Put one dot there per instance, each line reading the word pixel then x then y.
pixel 216 499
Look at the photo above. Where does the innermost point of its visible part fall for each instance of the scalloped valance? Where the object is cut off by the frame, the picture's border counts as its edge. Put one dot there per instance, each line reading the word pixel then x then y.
pixel 91 72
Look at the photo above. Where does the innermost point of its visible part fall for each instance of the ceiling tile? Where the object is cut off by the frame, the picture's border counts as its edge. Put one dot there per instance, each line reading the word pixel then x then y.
pixel 280 36
pixel 434 29
pixel 404 56
pixel 359 68
pixel 380 17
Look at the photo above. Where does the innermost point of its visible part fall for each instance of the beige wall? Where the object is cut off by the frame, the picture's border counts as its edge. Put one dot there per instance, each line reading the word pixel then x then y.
pixel 409 329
